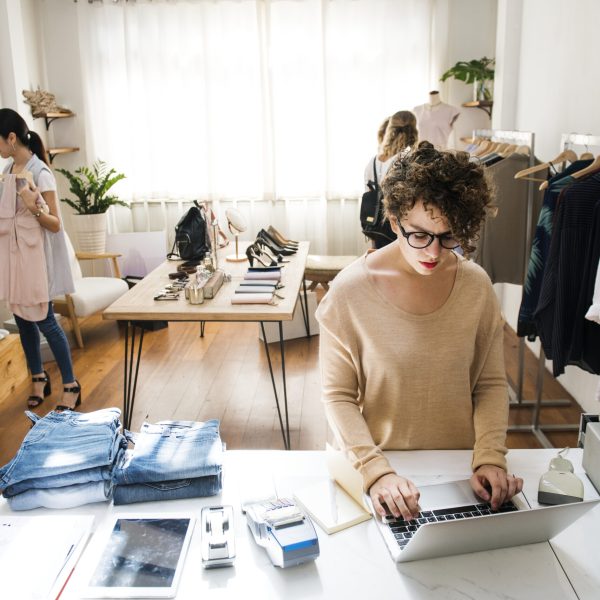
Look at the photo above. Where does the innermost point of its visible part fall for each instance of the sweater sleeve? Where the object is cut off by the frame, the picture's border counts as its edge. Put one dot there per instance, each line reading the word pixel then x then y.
pixel 340 395
pixel 490 399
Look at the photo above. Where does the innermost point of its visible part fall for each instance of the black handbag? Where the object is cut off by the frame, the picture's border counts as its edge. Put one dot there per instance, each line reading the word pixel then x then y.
pixel 373 221
pixel 192 241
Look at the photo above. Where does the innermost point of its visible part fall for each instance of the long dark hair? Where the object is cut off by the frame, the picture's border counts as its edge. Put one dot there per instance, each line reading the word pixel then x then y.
pixel 12 122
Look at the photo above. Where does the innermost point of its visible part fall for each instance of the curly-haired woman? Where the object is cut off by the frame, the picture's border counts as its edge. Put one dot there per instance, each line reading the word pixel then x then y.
pixel 412 337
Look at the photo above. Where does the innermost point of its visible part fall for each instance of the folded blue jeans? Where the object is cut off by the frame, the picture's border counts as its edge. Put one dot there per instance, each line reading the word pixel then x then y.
pixel 64 442
pixel 69 496
pixel 172 450
pixel 209 485
pixel 71 478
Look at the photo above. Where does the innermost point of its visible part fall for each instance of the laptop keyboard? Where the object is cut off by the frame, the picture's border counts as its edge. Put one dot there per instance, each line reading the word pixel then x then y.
pixel 404 530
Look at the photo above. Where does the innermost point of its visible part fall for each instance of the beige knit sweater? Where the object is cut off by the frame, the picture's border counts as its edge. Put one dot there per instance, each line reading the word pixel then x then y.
pixel 398 381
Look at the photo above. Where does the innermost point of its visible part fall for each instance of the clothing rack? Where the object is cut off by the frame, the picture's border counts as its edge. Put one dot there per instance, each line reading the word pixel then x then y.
pixel 567 141
pixel 520 138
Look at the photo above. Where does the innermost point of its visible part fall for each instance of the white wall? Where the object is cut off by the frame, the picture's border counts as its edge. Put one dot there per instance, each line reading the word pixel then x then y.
pixel 471 34
pixel 548 53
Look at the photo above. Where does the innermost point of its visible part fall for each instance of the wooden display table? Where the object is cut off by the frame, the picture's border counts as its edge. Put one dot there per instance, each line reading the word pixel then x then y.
pixel 138 304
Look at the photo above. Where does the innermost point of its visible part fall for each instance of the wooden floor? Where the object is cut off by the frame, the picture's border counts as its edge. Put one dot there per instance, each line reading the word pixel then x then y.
pixel 225 376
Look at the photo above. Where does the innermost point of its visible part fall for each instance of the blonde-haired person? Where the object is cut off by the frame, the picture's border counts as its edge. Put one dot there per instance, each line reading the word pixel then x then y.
pixel 396 136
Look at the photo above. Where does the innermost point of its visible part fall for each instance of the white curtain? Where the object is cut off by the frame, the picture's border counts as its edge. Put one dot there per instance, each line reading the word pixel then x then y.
pixel 242 101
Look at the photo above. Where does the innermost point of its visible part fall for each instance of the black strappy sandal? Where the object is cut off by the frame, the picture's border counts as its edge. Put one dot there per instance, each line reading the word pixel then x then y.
pixel 35 401
pixel 73 388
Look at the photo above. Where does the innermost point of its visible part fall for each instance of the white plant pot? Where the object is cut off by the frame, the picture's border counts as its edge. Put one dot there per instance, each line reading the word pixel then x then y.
pixel 91 232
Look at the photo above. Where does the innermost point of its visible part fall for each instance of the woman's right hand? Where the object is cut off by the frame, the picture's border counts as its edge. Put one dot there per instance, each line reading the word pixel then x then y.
pixel 399 494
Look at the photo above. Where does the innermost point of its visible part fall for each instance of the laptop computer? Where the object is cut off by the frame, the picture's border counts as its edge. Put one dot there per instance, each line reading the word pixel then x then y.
pixel 453 520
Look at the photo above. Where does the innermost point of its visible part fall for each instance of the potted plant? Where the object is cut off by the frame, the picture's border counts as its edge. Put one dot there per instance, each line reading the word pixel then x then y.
pixel 478 72
pixel 91 186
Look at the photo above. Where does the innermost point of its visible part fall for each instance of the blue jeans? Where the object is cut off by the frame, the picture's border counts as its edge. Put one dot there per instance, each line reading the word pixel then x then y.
pixel 64 442
pixel 68 479
pixel 69 496
pixel 210 485
pixel 57 340
pixel 171 450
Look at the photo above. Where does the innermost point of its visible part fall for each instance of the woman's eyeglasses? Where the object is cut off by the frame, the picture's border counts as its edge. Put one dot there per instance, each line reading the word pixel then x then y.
pixel 422 239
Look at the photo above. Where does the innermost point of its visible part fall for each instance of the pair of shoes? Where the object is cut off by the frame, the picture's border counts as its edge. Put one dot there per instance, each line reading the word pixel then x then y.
pixel 278 237
pixel 254 253
pixel 269 253
pixel 264 237
pixel 75 389
pixel 35 401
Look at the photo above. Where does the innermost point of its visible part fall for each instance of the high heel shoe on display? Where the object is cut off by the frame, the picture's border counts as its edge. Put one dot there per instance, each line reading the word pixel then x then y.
pixel 253 253
pixel 35 401
pixel 274 247
pixel 266 250
pixel 279 237
pixel 76 389
pixel 272 239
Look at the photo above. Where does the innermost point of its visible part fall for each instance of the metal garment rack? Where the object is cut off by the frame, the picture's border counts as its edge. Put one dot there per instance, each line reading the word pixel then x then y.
pixel 520 138
pixel 567 141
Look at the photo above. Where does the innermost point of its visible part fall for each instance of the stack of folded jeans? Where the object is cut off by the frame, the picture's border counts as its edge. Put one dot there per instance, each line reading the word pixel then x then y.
pixel 66 460
pixel 170 460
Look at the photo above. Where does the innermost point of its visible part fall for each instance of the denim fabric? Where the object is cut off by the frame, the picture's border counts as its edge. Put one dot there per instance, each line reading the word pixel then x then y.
pixel 171 450
pixel 210 485
pixel 64 442
pixel 71 478
pixel 64 497
pixel 57 340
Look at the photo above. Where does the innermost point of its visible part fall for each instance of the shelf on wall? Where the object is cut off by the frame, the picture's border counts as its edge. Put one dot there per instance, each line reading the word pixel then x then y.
pixel 52 152
pixel 52 116
pixel 484 105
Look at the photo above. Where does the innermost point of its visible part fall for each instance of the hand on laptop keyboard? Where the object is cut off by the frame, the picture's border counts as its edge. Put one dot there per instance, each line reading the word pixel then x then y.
pixel 394 494
pixel 493 484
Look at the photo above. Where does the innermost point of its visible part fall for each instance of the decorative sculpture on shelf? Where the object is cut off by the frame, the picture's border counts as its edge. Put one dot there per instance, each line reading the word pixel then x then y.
pixel 43 102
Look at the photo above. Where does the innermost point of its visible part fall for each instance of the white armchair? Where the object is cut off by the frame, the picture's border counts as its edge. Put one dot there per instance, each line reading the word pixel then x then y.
pixel 92 294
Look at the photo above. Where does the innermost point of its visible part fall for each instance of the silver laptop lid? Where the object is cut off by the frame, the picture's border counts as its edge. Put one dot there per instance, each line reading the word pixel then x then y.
pixel 501 530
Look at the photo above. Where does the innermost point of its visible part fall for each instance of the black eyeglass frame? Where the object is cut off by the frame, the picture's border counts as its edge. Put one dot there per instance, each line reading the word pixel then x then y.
pixel 440 236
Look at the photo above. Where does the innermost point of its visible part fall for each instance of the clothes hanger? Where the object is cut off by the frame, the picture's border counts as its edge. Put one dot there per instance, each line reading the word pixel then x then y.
pixel 562 157
pixel 577 174
pixel 589 169
pixel 483 148
pixel 512 149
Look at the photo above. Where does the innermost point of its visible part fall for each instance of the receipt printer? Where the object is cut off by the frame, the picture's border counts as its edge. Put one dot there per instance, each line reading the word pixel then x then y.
pixel 286 533
pixel 591 453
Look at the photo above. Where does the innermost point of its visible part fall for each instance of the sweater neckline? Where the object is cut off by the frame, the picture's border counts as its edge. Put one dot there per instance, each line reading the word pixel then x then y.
pixel 436 313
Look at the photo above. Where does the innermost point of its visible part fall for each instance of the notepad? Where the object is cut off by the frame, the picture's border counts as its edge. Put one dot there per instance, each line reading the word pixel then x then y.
pixel 330 506
pixel 337 503
pixel 57 541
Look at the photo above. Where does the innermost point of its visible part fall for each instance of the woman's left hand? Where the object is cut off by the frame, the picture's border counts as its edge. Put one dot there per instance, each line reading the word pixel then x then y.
pixel 30 195
pixel 495 485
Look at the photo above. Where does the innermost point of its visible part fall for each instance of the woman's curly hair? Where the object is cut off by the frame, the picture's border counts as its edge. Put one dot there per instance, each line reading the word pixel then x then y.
pixel 446 180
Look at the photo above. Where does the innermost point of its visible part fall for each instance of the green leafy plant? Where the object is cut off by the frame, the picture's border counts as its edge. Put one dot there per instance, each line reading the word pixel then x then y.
pixel 481 70
pixel 90 186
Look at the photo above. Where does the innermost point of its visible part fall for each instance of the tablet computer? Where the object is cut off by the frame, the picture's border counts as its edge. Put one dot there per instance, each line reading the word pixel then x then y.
pixel 142 556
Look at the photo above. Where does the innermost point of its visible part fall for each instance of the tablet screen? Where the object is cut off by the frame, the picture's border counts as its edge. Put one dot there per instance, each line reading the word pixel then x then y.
pixel 142 553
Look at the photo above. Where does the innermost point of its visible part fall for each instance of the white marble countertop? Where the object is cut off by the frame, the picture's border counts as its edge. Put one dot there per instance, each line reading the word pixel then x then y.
pixel 354 563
